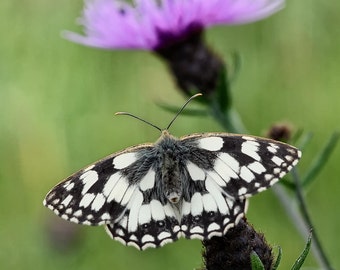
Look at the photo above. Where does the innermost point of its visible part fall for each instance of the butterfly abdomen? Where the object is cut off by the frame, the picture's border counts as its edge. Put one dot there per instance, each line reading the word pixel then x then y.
pixel 172 153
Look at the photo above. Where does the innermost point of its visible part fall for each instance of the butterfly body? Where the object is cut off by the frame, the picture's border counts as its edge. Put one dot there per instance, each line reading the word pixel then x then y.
pixel 195 187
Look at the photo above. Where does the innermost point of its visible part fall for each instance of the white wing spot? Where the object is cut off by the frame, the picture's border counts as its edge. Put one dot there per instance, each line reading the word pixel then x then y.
pixel 148 181
pixel 144 214
pixel 214 196
pixel 196 204
pixel 213 227
pixel 78 213
pixel 257 167
pixel 272 182
pixel 164 235
pixel 184 227
pixel 271 149
pixel 118 190
pixel 134 206
pixel 278 161
pixel 295 162
pixel 268 177
pixel 86 200
pixel 246 174
pixel 98 202
pixel 218 179
pixel 226 221
pixel 185 208
pixel 289 158
pixel 88 179
pixel 56 201
pixel 105 216
pixel 196 173
pixel 148 238
pixel 177 228
pixel 110 184
pixel 127 195
pixel 230 161
pixel 74 219
pixel 123 222
pixel 68 211
pixel 149 245
pixel 67 200
pixel 157 211
pixel 261 189
pixel 197 230
pixel 209 203
pixel 242 191
pixel 133 237
pixel 224 170
pixel 250 148
pixel 211 143
pixel 121 240
pixel 69 186
pixel 276 170
pixel 123 160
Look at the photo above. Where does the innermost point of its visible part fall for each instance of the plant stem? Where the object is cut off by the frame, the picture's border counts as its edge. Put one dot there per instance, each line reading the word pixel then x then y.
pixel 316 244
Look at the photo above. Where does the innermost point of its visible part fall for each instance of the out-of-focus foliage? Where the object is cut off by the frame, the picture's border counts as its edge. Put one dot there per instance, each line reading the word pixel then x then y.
pixel 58 99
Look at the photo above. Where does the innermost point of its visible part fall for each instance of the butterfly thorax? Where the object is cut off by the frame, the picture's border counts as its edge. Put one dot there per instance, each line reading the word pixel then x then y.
pixel 171 155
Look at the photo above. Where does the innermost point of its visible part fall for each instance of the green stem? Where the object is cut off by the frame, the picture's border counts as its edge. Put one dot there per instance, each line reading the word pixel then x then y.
pixel 316 245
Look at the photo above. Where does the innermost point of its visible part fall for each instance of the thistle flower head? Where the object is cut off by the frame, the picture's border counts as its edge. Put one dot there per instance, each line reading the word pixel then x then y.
pixel 153 24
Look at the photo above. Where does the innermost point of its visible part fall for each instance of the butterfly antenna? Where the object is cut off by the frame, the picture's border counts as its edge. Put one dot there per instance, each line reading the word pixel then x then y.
pixel 134 116
pixel 179 112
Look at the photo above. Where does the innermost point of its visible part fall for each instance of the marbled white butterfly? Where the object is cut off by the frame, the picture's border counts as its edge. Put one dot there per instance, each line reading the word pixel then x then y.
pixel 195 186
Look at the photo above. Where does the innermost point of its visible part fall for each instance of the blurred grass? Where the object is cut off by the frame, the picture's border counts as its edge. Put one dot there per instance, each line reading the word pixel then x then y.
pixel 57 102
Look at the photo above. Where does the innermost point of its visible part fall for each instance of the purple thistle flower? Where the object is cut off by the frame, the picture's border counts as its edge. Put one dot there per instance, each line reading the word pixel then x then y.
pixel 154 24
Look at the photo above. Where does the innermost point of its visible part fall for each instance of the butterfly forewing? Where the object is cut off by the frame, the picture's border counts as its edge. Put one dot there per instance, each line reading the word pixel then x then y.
pixel 193 187
pixel 242 165
pixel 98 194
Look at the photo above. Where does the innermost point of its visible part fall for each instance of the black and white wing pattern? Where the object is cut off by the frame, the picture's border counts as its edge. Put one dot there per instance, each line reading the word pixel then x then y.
pixel 194 187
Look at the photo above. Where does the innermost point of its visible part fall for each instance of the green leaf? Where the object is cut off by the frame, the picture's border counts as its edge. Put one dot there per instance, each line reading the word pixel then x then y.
pixel 299 262
pixel 278 259
pixel 235 67
pixel 256 263
pixel 320 160
pixel 222 97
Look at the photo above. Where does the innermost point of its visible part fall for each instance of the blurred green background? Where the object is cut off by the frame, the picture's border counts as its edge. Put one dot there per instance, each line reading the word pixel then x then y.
pixel 58 101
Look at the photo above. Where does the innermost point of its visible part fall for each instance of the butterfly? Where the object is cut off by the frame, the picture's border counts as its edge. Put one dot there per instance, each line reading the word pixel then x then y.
pixel 196 186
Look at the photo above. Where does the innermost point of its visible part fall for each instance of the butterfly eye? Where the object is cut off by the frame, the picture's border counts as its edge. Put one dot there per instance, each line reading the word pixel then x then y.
pixel 145 226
